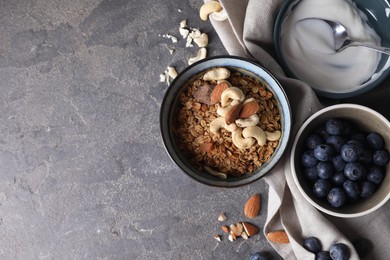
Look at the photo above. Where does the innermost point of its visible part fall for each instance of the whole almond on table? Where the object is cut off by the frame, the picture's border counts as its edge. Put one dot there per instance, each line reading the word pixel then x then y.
pixel 215 96
pixel 252 206
pixel 279 236
pixel 248 109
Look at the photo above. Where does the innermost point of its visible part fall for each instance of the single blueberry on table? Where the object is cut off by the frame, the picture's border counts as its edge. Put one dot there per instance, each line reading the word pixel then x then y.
pixel 260 256
pixel 349 152
pixel 336 197
pixel 323 255
pixel 339 178
pixel 334 126
pixel 362 246
pixel 338 163
pixel 308 159
pixel 375 174
pixel 380 157
pixel 323 152
pixel 325 170
pixel 336 142
pixel 375 141
pixel 311 173
pixel 351 189
pixel 313 140
pixel 321 188
pixel 355 171
pixel 339 251
pixel 312 244
pixel 367 189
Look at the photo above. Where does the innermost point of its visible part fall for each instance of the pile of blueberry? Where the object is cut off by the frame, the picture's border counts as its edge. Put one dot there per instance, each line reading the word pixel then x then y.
pixel 337 251
pixel 344 164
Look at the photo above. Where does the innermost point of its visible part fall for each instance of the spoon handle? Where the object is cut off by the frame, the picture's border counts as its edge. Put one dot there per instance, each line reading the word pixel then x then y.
pixel 385 50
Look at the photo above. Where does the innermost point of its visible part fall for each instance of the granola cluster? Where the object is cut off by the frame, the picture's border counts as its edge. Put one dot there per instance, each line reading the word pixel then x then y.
pixel 217 151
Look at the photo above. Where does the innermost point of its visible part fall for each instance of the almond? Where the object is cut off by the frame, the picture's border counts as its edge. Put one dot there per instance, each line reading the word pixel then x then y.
pixel 279 236
pixel 249 108
pixel 225 229
pixel 252 206
pixel 233 114
pixel 250 229
pixel 215 96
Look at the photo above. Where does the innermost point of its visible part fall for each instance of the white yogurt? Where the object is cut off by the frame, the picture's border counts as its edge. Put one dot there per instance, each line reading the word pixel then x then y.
pixel 308 48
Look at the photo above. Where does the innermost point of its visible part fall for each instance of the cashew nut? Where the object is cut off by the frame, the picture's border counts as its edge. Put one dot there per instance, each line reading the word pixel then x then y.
pixel 208 8
pixel 219 123
pixel 202 53
pixel 250 121
pixel 255 132
pixel 216 74
pixel 221 111
pixel 231 93
pixel 273 136
pixel 172 72
pixel 220 175
pixel 220 16
pixel 201 40
pixel 241 142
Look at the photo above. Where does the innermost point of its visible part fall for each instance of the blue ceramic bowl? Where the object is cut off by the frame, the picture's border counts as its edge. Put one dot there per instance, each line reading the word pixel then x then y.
pixel 378 18
pixel 170 103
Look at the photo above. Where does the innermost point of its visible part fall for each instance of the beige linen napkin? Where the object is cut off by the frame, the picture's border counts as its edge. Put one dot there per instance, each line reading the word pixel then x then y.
pixel 248 33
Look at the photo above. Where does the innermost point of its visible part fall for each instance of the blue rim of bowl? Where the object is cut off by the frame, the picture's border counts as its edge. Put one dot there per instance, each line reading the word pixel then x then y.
pixel 295 144
pixel 167 109
pixel 284 10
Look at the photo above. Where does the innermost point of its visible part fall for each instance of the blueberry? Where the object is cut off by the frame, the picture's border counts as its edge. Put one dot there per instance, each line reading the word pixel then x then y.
pixel 336 197
pixel 351 189
pixel 321 188
pixel 375 174
pixel 312 244
pixel 339 251
pixel 338 163
pixel 336 142
pixel 380 157
pixel 259 256
pixel 349 152
pixel 365 157
pixel 308 160
pixel 325 170
pixel 359 145
pixel 375 141
pixel 323 152
pixel 355 171
pixel 338 178
pixel 367 189
pixel 322 132
pixel 334 126
pixel 323 255
pixel 358 136
pixel 313 140
pixel 311 173
pixel 363 246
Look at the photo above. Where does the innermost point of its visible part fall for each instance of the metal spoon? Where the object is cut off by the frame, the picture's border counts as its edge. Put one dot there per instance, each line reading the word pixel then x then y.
pixel 342 40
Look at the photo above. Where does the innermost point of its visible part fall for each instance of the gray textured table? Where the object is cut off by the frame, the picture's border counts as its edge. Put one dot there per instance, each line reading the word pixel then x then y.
pixel 83 171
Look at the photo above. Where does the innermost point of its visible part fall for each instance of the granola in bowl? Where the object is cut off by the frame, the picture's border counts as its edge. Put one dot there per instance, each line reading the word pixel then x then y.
pixel 225 121
pixel 218 152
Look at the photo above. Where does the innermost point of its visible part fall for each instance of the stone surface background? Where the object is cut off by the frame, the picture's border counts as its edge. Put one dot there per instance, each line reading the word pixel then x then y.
pixel 83 170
